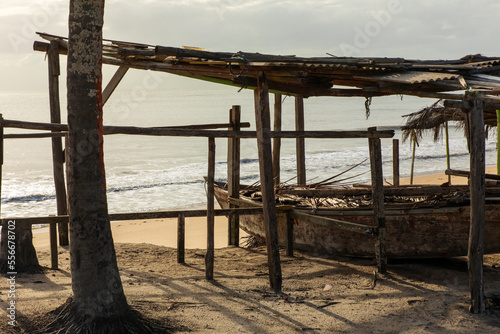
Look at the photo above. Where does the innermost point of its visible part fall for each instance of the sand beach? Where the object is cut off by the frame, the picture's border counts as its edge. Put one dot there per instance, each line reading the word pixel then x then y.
pixel 320 294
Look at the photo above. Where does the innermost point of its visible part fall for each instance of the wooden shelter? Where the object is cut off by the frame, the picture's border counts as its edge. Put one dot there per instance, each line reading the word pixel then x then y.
pixel 471 83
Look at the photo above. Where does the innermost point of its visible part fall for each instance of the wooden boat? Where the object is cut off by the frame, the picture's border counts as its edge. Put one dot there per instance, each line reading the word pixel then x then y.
pixel 421 221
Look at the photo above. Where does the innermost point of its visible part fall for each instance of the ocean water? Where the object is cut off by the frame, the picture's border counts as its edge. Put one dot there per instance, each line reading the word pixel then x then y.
pixel 162 173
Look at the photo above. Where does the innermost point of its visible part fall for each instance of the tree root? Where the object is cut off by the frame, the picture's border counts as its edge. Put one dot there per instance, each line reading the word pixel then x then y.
pixel 65 320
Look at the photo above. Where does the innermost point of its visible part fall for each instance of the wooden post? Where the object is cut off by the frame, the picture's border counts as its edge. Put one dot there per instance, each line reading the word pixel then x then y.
pixel 209 258
pixel 57 151
pixel 395 162
pixel 233 175
pixel 263 128
pixel 53 245
pixel 477 207
pixel 447 150
pixel 300 142
pixel 277 141
pixel 414 138
pixel 181 236
pixel 378 201
pixel 289 234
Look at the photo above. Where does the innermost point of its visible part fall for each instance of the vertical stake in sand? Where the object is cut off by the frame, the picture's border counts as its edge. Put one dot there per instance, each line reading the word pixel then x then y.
pixel 277 141
pixel 378 201
pixel 209 258
pixel 57 151
pixel 233 175
pixel 477 206
pixel 263 128
pixel 300 142
pixel 181 237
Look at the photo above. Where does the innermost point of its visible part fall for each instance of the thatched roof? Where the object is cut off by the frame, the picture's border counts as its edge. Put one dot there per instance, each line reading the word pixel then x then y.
pixel 316 76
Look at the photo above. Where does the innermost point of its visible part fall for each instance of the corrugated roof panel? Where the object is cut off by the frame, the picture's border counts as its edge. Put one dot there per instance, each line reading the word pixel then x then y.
pixel 411 77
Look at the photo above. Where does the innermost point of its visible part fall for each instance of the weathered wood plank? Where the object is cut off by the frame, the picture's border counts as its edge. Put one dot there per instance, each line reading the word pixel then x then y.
pixel 233 174
pixel 57 151
pixel 263 125
pixel 378 202
pixel 477 207
pixel 300 144
pixel 277 141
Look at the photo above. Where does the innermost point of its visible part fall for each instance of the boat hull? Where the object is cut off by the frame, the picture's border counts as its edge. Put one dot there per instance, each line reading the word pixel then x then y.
pixel 409 235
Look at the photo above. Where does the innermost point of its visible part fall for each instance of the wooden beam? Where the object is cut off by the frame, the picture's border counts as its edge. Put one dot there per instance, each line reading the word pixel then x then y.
pixel 395 162
pixel 159 131
pixel 277 141
pixel 464 173
pixel 113 83
pixel 209 258
pixel 378 201
pixel 300 148
pixel 233 175
pixel 477 207
pixel 263 125
pixel 138 215
pixel 57 151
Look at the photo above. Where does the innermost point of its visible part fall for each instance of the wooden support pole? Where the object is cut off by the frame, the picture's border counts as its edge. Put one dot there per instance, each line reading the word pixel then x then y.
pixel 447 150
pixel 300 142
pixel 289 234
pixel 277 141
pixel 395 162
pixel 181 237
pixel 263 127
pixel 378 201
pixel 113 83
pixel 53 245
pixel 477 206
pixel 57 151
pixel 209 258
pixel 414 148
pixel 233 175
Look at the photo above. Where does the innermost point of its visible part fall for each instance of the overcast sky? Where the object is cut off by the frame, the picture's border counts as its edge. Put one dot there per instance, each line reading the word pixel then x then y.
pixel 417 29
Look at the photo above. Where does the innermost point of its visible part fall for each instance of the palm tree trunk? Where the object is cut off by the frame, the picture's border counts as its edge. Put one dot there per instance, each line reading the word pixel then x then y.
pixel 96 283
